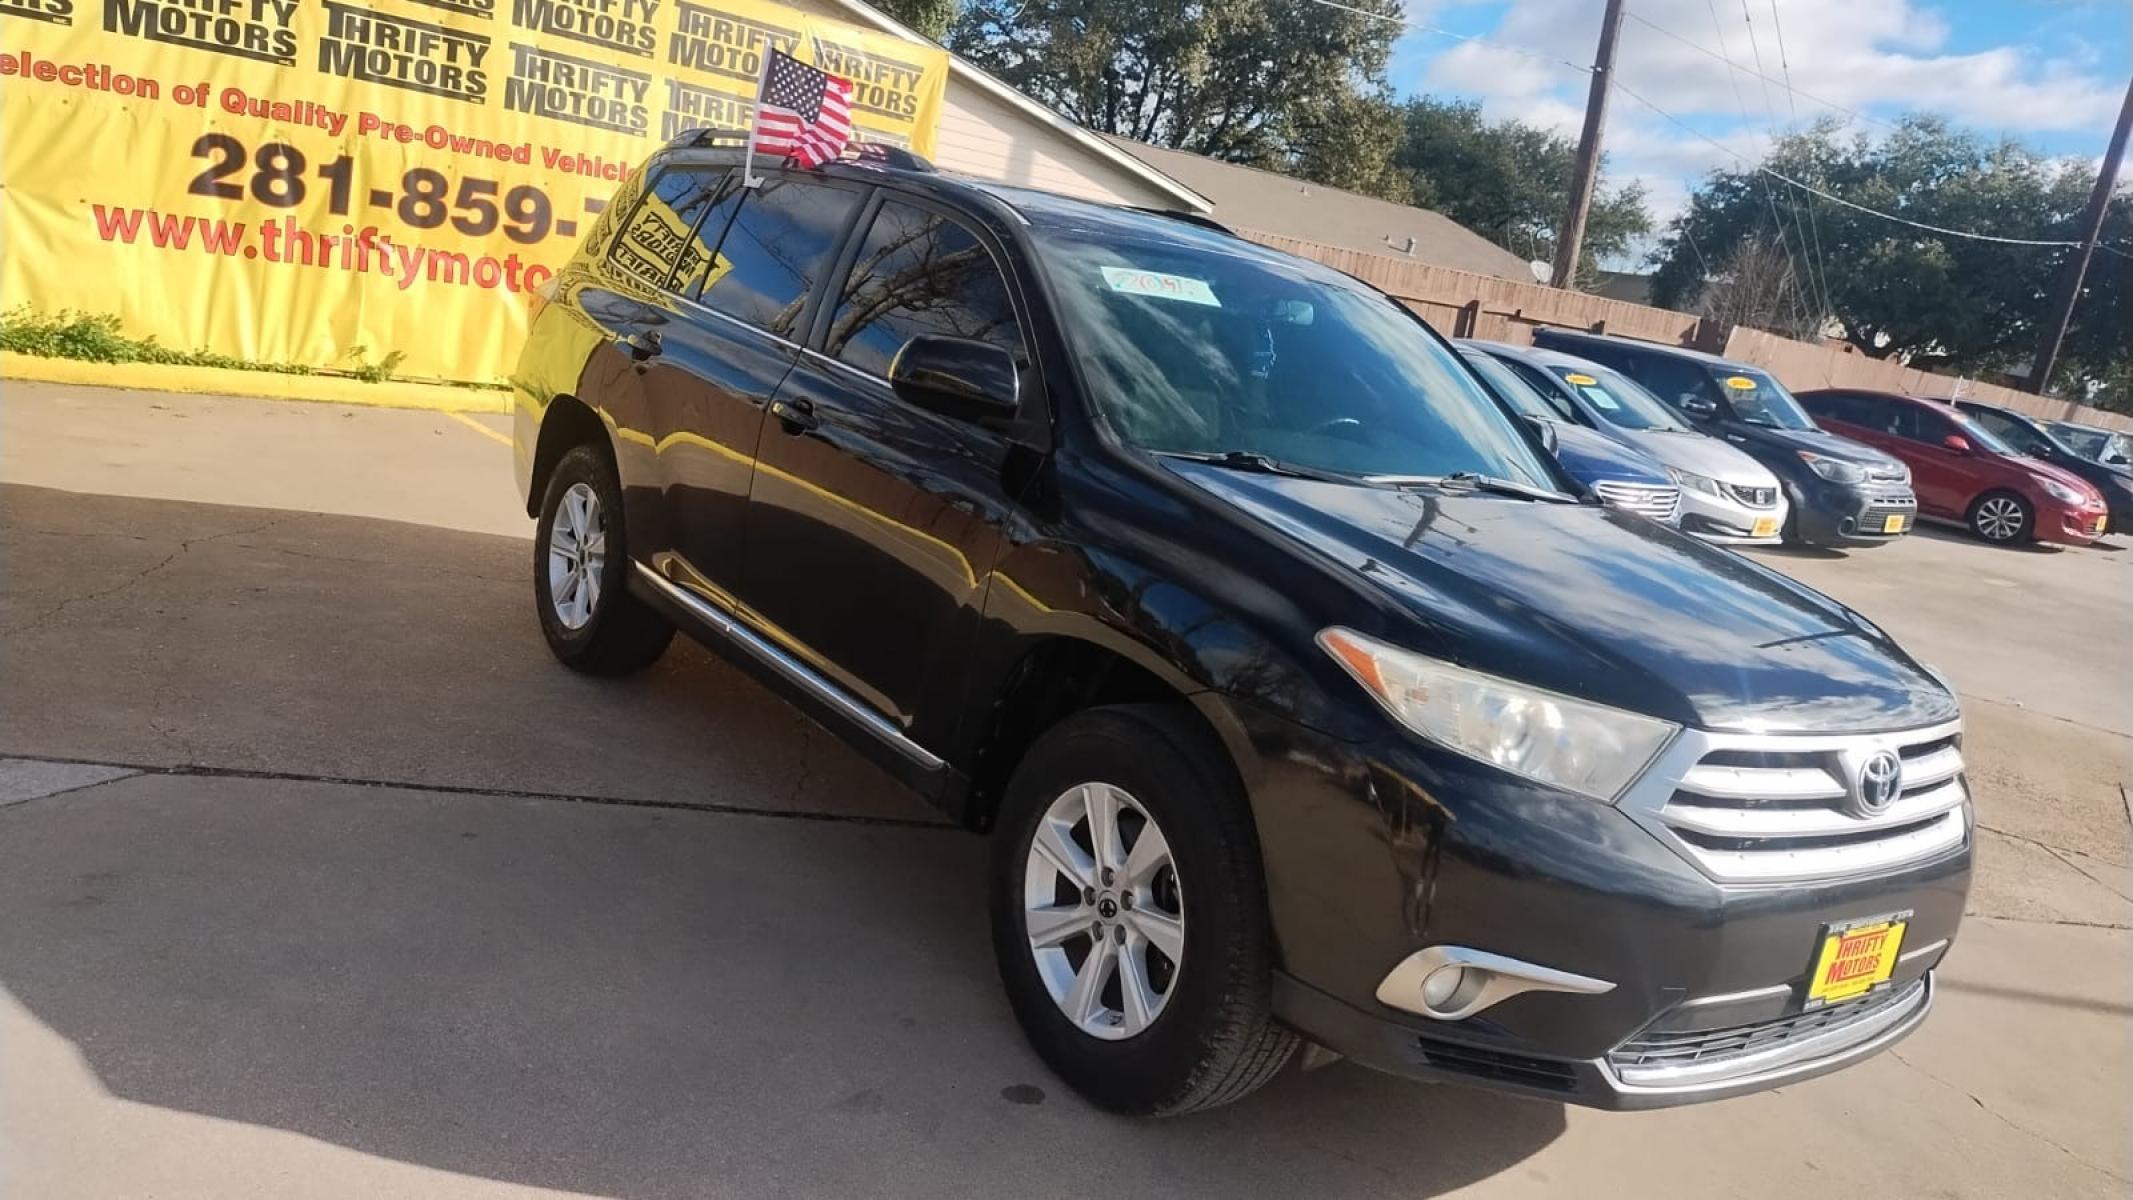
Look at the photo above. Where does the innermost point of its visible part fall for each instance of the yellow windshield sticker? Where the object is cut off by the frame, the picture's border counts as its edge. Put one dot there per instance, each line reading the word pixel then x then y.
pixel 1581 380
pixel 1740 383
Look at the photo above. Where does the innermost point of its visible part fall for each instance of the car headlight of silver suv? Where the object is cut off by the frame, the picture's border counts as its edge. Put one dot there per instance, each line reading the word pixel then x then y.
pixel 1833 469
pixel 1571 744
pixel 1694 483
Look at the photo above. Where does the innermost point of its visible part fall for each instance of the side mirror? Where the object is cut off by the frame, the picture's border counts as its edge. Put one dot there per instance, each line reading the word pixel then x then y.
pixel 2114 460
pixel 1546 428
pixel 1700 408
pixel 956 377
pixel 1956 442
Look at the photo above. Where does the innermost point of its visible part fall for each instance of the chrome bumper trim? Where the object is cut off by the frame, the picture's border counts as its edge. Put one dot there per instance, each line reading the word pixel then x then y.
pixel 1506 977
pixel 1812 1054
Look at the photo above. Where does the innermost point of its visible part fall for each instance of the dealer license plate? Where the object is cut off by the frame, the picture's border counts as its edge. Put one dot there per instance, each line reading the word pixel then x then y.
pixel 1856 958
pixel 1765 526
pixel 1893 523
pixel 2101 522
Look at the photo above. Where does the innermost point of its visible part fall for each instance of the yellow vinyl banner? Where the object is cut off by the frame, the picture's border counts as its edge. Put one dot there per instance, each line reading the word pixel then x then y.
pixel 329 184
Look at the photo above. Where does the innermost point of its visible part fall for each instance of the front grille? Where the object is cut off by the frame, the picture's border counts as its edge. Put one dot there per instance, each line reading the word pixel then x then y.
pixel 1753 497
pixel 1660 502
pixel 1755 810
pixel 1818 1032
pixel 1888 474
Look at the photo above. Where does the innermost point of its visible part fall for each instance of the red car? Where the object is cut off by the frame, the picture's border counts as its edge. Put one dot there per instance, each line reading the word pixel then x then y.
pixel 1962 471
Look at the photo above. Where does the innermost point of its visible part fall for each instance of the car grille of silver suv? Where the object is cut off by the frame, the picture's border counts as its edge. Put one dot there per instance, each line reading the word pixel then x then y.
pixel 1660 502
pixel 1763 809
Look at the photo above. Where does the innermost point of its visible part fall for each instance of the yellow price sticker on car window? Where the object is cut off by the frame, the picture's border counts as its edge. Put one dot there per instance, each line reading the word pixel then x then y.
pixel 1581 380
pixel 1740 383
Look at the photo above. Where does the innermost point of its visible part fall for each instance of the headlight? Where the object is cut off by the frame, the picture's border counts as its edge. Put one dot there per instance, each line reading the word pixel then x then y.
pixel 1585 748
pixel 2060 492
pixel 1695 483
pixel 1833 469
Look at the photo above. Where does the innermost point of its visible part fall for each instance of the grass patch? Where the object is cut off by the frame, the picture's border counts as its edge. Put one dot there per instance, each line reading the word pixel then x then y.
pixel 98 337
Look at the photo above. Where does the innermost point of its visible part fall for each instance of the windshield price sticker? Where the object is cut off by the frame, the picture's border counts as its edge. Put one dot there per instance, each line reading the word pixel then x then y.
pixel 1740 383
pixel 1161 286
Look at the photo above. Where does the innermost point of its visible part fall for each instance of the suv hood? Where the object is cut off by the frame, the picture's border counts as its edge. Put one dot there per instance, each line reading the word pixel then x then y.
pixel 1699 454
pixel 1596 604
pixel 1817 441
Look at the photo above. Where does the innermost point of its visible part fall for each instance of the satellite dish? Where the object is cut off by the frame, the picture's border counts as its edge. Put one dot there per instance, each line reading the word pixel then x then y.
pixel 1543 272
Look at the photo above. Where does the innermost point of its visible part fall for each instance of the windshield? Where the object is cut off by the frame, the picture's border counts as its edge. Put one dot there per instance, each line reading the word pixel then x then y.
pixel 2096 444
pixel 1758 399
pixel 1198 349
pixel 1619 401
pixel 1509 388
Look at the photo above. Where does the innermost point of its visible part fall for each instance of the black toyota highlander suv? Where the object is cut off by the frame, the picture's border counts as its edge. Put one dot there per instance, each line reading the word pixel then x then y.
pixel 1302 696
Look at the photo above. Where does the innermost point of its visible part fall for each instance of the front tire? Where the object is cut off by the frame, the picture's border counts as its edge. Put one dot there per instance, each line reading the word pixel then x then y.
pixel 580 564
pixel 1129 914
pixel 2002 518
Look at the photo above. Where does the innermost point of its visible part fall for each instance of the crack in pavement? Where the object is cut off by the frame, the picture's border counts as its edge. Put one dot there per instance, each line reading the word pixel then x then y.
pixel 2061 855
pixel 2069 921
pixel 2010 1122
pixel 184 546
pixel 721 808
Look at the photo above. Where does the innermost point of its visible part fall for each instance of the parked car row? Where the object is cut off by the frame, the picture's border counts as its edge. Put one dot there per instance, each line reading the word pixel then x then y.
pixel 1755 464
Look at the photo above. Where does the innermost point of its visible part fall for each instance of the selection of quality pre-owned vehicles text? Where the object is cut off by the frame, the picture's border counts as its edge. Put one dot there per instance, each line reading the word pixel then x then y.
pixel 1302 695
pixel 1841 493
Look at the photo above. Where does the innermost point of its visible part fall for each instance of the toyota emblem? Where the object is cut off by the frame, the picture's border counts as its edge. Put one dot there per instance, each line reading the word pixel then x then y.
pixel 1880 782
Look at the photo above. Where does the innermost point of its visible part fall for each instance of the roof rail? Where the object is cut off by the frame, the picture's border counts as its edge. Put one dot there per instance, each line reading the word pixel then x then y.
pixel 869 154
pixel 1191 218
pixel 703 137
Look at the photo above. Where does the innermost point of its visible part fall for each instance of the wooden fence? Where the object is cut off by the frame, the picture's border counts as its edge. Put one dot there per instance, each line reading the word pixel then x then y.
pixel 1463 304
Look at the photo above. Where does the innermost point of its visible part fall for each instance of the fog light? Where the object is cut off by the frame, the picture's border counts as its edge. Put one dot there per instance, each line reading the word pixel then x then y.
pixel 1442 984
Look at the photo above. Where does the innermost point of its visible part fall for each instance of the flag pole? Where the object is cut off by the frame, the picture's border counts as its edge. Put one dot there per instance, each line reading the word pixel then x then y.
pixel 749 179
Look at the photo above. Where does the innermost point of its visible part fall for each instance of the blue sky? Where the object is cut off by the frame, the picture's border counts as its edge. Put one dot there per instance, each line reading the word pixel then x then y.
pixel 2051 73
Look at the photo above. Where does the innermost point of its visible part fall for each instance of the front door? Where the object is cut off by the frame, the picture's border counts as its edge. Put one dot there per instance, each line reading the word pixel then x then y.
pixel 874 523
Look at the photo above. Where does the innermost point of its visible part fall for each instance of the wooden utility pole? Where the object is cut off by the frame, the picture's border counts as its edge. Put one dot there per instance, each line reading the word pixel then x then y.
pixel 2077 268
pixel 1572 239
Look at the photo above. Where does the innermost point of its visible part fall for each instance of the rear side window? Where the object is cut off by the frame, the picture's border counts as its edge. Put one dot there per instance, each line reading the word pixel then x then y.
pixel 774 250
pixel 661 238
pixel 919 273
pixel 1837 406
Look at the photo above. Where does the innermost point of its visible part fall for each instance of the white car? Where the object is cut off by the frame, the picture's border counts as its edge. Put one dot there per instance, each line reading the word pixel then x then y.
pixel 1726 496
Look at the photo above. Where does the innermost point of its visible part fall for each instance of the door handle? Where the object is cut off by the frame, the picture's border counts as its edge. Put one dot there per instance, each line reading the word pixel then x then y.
pixel 797 416
pixel 642 346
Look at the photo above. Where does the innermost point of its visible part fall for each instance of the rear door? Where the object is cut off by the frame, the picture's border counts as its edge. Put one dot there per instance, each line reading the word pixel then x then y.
pixel 745 282
pixel 874 523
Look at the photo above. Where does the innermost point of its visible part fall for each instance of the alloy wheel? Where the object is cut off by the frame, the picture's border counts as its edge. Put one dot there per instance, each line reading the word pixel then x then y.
pixel 1103 911
pixel 1999 518
pixel 577 554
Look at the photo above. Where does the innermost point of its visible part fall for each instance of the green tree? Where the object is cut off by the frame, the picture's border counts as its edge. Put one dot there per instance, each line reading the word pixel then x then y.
pixel 1895 290
pixel 930 17
pixel 1259 82
pixel 1510 182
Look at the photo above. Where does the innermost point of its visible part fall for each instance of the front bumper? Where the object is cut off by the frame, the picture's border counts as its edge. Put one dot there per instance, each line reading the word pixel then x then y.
pixel 2071 526
pixel 1836 514
pixel 1728 522
pixel 1376 851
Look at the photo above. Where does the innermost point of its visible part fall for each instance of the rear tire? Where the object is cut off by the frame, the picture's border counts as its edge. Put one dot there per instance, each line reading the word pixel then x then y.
pixel 1201 1031
pixel 2002 518
pixel 581 564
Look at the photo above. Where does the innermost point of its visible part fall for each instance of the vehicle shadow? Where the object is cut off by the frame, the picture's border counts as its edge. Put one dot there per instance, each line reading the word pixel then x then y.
pixel 1952 533
pixel 601 997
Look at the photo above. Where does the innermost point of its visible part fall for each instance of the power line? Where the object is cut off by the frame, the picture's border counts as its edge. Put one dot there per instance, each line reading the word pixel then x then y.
pixel 1707 52
pixel 1777 222
pixel 1792 100
pixel 1836 199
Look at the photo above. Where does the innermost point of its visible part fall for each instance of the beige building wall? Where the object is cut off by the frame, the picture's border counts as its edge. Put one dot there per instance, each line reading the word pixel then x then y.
pixel 980 135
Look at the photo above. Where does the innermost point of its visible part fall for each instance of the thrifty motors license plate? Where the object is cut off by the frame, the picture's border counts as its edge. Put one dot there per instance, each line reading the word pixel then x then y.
pixel 2101 523
pixel 1893 523
pixel 1765 526
pixel 1856 958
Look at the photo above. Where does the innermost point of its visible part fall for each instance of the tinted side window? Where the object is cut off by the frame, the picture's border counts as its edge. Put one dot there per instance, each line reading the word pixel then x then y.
pixel 1545 384
pixel 1670 379
pixel 1928 427
pixel 774 249
pixel 2016 434
pixel 1838 406
pixel 661 235
pixel 919 273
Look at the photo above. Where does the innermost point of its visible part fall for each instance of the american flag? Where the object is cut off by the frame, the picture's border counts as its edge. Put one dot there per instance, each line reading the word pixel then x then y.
pixel 802 113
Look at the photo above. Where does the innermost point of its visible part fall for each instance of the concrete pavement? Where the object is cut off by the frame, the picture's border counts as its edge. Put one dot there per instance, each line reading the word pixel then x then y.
pixel 381 902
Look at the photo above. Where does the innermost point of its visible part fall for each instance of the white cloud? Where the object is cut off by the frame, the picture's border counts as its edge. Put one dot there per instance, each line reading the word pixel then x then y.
pixel 1880 57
